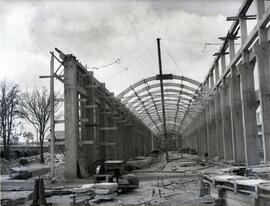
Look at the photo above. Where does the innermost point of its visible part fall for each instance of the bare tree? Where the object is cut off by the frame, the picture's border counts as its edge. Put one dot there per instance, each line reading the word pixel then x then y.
pixel 9 114
pixel 28 136
pixel 35 108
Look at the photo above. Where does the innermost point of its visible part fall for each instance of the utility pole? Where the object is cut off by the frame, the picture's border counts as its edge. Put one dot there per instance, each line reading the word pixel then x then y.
pixel 162 99
pixel 52 113
pixel 52 122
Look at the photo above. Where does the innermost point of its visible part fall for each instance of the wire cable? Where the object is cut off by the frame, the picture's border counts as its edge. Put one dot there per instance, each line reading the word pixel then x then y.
pixel 192 42
pixel 173 60
pixel 126 68
pixel 118 60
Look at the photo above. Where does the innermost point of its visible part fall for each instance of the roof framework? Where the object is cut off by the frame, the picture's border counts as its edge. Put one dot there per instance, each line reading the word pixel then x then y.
pixel 183 101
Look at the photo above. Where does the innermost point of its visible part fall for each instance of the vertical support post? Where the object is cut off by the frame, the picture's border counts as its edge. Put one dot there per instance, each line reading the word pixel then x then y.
pixel 103 123
pixel 208 131
pixel 71 116
pixel 226 121
pixel 218 123
pixel 263 58
pixel 262 51
pixel 243 28
pixel 236 118
pixel 231 49
pixel 92 113
pixel 213 127
pixel 52 113
pixel 216 71
pixel 223 62
pixel 204 128
pixel 162 99
pixel 260 8
pixel 249 114
pixel 152 140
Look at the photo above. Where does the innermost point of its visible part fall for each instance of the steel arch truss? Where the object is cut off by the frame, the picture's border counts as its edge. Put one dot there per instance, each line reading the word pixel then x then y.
pixel 184 99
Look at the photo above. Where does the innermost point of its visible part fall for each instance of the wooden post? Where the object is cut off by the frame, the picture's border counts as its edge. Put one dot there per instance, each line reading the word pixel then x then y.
pixel 52 113
pixel 163 101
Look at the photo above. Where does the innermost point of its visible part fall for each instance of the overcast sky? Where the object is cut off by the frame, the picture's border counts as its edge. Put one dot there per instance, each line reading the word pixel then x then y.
pixel 99 32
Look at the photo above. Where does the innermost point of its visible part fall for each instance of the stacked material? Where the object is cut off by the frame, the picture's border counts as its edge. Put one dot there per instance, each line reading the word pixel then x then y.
pixel 234 189
pixel 140 162
pixel 105 190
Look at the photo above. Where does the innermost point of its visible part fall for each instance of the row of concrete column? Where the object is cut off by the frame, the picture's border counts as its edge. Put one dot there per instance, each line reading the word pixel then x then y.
pixel 227 126
pixel 97 126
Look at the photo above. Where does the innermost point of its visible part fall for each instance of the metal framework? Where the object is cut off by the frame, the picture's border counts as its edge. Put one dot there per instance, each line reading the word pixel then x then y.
pixel 183 101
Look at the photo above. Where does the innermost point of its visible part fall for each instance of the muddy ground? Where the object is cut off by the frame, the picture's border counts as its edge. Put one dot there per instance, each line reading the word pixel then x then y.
pixel 174 183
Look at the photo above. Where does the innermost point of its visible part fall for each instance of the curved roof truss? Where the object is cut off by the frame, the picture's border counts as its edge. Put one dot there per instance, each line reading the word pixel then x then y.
pixel 183 101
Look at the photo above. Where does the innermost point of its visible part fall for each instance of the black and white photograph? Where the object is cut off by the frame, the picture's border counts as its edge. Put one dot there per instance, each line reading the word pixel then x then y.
pixel 135 102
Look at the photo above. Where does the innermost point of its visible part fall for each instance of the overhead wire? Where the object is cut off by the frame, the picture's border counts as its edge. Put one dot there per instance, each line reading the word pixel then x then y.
pixel 196 43
pixel 131 63
pixel 173 60
pixel 192 42
pixel 117 60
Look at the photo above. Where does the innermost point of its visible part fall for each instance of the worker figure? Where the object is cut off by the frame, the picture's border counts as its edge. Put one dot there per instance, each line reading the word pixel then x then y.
pixel 159 192
pixel 153 192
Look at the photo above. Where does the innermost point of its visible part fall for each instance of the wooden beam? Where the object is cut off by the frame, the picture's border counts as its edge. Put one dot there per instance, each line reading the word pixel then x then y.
pixel 82 90
pixel 249 41
pixel 91 106
pixel 107 128
pixel 59 121
pixel 246 17
pixel 86 142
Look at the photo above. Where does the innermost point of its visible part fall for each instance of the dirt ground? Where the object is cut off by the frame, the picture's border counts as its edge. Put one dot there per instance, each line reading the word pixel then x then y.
pixel 174 183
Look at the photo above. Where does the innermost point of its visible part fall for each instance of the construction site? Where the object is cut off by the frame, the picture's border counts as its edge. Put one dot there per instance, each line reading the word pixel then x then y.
pixel 167 139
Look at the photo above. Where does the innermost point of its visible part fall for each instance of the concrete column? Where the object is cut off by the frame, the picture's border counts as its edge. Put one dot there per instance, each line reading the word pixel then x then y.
pixel 84 145
pixel 231 49
pixel 196 136
pixel 129 144
pixel 218 123
pixel 97 145
pixel 71 116
pixel 214 142
pixel 216 71
pixel 263 58
pixel 249 114
pixel 205 139
pixel 90 114
pixel 208 131
pixel 223 62
pixel 211 80
pixel 114 132
pixel 102 124
pixel 199 137
pixel 226 121
pixel 260 8
pixel 236 118
pixel 119 141
pixel 243 28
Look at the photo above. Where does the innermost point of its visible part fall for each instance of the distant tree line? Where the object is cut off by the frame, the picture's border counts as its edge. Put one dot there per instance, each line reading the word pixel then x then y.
pixel 34 107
